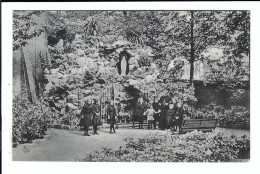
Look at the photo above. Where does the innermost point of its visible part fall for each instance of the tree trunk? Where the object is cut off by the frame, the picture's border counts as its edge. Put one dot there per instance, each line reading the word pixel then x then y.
pixel 30 76
pixel 191 48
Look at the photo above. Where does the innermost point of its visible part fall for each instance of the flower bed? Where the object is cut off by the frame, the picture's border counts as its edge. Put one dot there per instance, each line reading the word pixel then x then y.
pixel 191 147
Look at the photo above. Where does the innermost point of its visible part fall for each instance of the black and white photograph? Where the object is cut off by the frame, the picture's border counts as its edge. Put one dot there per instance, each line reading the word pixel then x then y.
pixel 131 85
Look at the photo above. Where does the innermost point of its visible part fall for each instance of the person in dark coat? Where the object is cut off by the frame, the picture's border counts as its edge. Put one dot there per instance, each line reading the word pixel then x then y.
pixel 164 101
pixel 139 112
pixel 169 116
pixel 156 107
pixel 96 112
pixel 87 114
pixel 164 109
pixel 179 114
pixel 111 113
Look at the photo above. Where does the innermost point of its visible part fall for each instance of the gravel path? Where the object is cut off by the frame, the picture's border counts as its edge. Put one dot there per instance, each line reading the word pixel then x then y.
pixel 64 145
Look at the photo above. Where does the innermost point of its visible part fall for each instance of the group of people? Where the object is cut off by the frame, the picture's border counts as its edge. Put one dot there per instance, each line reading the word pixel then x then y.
pixel 167 112
pixel 90 116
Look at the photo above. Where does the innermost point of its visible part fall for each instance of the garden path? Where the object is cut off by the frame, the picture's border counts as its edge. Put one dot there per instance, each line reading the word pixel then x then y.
pixel 64 145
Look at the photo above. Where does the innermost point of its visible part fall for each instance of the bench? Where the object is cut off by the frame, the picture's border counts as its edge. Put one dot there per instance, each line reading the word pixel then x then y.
pixel 136 124
pixel 204 125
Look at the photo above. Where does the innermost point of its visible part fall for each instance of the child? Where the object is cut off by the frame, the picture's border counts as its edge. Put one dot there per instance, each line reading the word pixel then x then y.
pixel 150 116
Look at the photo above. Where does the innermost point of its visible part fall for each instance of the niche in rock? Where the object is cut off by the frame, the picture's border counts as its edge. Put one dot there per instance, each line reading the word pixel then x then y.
pixel 123 64
pixel 64 34
pixel 54 39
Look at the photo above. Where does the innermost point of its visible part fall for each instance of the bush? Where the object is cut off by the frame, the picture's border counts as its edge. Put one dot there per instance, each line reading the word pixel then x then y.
pixel 144 61
pixel 237 117
pixel 191 147
pixel 29 120
pixel 182 92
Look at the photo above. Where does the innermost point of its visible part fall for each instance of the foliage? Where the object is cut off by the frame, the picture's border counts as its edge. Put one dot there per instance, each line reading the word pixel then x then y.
pixel 22 31
pixel 233 66
pixel 169 34
pixel 183 92
pixel 238 31
pixel 237 117
pixel 30 121
pixel 144 62
pixel 179 91
pixel 191 147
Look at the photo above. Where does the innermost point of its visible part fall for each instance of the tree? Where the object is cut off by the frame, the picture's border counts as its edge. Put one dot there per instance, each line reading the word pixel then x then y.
pixel 25 27
pixel 233 67
pixel 22 22
pixel 191 47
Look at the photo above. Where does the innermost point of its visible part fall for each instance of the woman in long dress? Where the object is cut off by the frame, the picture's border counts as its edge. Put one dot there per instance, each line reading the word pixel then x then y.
pixel 87 114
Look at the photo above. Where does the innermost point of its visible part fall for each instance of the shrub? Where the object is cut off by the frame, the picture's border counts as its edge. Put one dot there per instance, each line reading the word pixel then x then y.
pixel 237 117
pixel 144 61
pixel 30 121
pixel 191 147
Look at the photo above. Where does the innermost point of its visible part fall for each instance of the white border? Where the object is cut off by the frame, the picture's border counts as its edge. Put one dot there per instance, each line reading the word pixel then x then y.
pixel 10 167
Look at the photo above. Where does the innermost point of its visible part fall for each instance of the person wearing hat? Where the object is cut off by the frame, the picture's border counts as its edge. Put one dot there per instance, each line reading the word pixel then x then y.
pixel 96 112
pixel 86 115
pixel 111 113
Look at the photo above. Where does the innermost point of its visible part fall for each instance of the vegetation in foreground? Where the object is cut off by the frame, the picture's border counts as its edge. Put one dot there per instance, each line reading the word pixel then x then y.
pixel 191 147
pixel 30 121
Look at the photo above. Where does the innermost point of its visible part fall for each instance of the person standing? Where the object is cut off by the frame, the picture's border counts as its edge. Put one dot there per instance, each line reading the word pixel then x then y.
pixel 169 116
pixel 179 114
pixel 156 107
pixel 87 114
pixel 96 112
pixel 111 113
pixel 164 100
pixel 164 109
pixel 139 112
pixel 150 115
